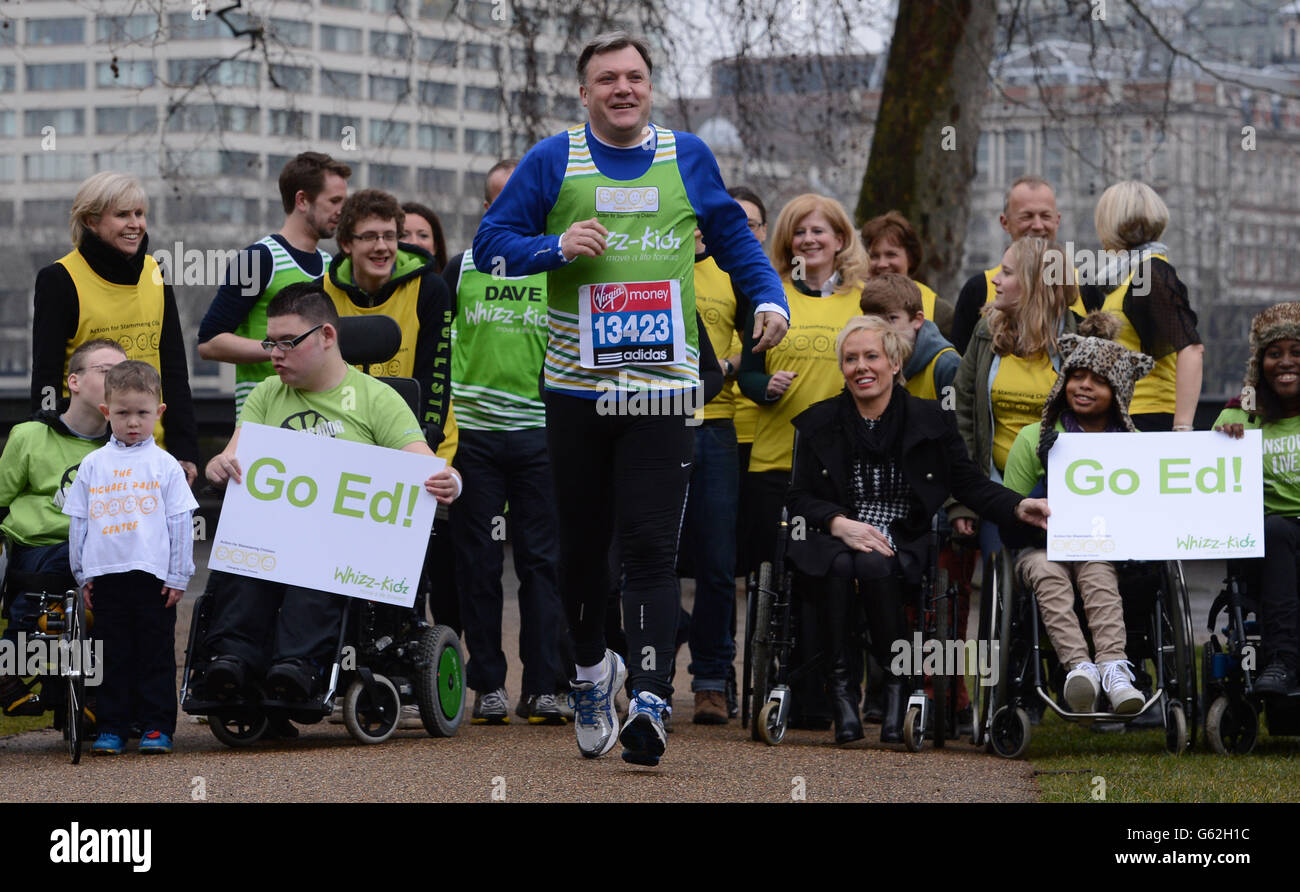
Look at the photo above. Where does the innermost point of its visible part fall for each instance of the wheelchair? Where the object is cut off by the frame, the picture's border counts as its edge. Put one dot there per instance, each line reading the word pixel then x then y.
pixel 773 631
pixel 62 622
pixel 1228 666
pixel 1157 620
pixel 385 657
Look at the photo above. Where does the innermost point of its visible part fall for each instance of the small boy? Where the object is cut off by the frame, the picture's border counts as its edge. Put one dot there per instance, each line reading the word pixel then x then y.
pixel 931 368
pixel 130 531
pixel 40 460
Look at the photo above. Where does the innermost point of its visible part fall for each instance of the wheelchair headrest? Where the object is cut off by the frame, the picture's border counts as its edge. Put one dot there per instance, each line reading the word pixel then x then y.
pixel 369 339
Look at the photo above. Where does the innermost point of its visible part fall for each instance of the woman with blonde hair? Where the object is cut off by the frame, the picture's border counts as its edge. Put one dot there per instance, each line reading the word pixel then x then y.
pixel 1144 291
pixel 109 286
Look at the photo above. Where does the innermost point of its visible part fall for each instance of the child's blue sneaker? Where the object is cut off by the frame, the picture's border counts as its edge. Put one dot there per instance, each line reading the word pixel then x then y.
pixel 155 742
pixel 107 744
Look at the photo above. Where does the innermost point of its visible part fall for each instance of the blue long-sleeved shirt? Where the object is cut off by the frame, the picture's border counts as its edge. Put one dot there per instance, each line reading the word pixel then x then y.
pixel 514 227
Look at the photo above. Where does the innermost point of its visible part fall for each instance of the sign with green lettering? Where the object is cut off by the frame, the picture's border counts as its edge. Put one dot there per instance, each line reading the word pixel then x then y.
pixel 1155 496
pixel 327 514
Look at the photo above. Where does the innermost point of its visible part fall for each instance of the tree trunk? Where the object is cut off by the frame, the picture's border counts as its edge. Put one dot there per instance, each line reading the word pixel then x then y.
pixel 936 78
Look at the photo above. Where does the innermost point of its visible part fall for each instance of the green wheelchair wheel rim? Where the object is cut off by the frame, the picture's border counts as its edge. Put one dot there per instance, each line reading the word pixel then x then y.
pixel 451 692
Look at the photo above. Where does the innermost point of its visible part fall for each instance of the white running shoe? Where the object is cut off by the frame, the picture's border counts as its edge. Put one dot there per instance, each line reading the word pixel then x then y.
pixel 595 720
pixel 1115 677
pixel 1082 686
pixel 643 735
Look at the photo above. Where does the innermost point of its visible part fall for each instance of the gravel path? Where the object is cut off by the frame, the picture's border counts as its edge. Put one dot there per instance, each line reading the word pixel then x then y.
pixel 520 762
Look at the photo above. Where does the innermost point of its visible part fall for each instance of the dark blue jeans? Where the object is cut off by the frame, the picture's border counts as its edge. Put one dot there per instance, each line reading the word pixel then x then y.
pixel 32 559
pixel 500 468
pixel 709 539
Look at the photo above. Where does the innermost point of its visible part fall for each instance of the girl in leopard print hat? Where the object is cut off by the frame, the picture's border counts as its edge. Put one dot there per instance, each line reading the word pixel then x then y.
pixel 1091 395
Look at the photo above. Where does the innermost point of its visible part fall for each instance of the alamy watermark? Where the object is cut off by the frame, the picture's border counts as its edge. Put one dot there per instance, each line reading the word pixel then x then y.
pixel 1100 267
pixel 42 655
pixel 209 268
pixel 921 656
pixel 668 398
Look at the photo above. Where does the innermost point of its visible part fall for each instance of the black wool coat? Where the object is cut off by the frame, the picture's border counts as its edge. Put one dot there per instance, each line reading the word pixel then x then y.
pixel 930 453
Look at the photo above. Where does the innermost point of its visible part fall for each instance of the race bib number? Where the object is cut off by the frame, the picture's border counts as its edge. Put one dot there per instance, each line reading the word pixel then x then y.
pixel 630 323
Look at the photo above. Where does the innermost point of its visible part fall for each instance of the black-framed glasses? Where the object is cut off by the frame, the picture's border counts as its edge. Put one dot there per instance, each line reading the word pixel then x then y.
pixel 369 238
pixel 287 344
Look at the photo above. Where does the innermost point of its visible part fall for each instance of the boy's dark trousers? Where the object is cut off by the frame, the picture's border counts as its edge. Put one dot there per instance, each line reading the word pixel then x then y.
pixel 139 654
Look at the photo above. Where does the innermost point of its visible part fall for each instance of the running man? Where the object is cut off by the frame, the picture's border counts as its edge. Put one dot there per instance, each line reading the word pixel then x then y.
pixel 608 211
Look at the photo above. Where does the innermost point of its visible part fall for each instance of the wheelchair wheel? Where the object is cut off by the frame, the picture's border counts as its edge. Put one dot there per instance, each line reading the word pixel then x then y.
pixel 762 652
pixel 995 628
pixel 1184 668
pixel 440 682
pixel 940 682
pixel 913 733
pixel 1176 739
pixel 75 679
pixel 372 720
pixel 770 728
pixel 1231 728
pixel 1009 732
pixel 239 729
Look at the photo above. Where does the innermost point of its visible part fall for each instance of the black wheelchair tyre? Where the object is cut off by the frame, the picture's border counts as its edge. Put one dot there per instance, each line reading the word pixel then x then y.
pixel 440 682
pixel 74 679
pixel 1184 670
pixel 942 688
pixel 239 729
pixel 1231 726
pixel 372 718
pixel 1009 732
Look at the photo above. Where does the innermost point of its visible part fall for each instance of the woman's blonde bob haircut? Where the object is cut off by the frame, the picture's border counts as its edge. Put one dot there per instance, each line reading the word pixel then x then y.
pixel 102 194
pixel 1130 214
pixel 850 260
pixel 1035 323
pixel 897 349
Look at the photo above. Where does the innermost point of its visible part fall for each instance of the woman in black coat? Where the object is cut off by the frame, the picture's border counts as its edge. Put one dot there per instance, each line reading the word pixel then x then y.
pixel 872 466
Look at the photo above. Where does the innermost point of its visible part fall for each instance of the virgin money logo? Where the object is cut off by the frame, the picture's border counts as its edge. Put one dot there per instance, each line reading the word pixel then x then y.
pixel 610 298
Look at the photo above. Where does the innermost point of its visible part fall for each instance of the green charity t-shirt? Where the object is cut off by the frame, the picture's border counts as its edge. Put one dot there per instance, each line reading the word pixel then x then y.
pixel 38 466
pixel 361 409
pixel 1281 459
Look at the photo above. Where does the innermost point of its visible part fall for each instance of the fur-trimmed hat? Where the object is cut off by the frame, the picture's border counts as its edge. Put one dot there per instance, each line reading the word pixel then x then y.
pixel 1274 324
pixel 1094 349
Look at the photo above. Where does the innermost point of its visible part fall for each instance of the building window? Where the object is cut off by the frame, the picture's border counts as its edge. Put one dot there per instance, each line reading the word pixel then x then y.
pixel 8 169
pixel 290 32
pixel 389 89
pixel 8 78
pixel 57 76
pixel 215 209
pixel 65 121
pixel 122 119
pixel 437 9
pixel 482 56
pixel 142 164
pixel 55 32
pixel 519 60
pixel 335 127
pixel 482 142
pixel 340 40
pixel 395 7
pixel 1054 153
pixel 292 78
pixel 435 181
pixel 390 44
pixel 125 28
pixel 567 107
pixel 217 72
pixel 346 84
pixel 486 99
pixel 438 94
pixel 1014 147
pixel 390 134
pixel 137 73
pixel 435 51
pixel 287 122
pixel 8 123
pixel 472 186
pixel 436 138
pixel 391 177
pixel 183 26
pixel 343 4
pixel 52 166
pixel 212 118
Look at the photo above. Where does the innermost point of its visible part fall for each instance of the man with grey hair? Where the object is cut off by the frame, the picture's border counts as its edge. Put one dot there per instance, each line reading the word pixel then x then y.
pixel 608 210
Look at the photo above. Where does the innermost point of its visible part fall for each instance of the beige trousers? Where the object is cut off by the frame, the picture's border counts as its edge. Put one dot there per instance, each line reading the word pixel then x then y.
pixel 1053 584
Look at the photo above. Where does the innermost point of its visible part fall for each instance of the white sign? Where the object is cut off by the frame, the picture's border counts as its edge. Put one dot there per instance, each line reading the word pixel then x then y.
pixel 1155 496
pixel 327 514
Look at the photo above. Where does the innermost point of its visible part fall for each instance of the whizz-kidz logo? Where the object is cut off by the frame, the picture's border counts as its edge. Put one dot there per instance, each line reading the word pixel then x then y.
pixel 39 655
pixel 953 657
pixel 209 268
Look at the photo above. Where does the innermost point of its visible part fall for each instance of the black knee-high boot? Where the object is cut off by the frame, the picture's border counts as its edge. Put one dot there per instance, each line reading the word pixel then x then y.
pixel 845 691
pixel 888 624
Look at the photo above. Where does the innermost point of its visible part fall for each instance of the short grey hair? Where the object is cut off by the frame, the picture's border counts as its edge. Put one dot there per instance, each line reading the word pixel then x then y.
pixel 607 43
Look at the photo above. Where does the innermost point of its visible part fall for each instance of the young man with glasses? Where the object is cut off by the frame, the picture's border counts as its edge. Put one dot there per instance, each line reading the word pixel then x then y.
pixel 315 392
pixel 377 275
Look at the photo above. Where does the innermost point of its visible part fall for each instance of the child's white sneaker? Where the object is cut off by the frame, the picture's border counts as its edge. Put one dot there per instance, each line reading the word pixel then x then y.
pixel 1082 686
pixel 1115 677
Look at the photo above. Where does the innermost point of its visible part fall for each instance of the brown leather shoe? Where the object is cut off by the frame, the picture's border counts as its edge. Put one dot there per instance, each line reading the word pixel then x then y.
pixel 710 708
